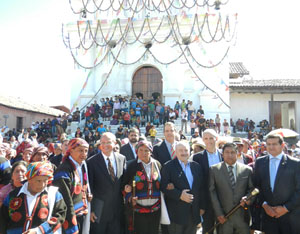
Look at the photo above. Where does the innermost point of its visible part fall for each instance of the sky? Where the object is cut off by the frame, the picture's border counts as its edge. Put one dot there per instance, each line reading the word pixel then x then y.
pixel 36 66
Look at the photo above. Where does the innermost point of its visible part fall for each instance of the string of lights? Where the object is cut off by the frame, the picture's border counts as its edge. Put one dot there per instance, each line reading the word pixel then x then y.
pixel 191 67
pixel 89 36
pixel 149 5
pixel 111 69
pixel 220 31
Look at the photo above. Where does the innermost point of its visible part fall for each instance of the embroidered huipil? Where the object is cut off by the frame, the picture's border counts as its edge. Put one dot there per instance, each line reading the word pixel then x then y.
pixel 23 211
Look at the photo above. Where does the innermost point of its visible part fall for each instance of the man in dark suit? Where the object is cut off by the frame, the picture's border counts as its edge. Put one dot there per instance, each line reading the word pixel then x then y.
pixel 105 173
pixel 165 151
pixel 277 176
pixel 207 158
pixel 128 150
pixel 185 202
pixel 229 184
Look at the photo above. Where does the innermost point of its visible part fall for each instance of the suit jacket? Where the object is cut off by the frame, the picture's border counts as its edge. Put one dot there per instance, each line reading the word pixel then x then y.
pixel 161 153
pixel 202 159
pixel 127 152
pixel 104 188
pixel 179 210
pixel 223 197
pixel 287 184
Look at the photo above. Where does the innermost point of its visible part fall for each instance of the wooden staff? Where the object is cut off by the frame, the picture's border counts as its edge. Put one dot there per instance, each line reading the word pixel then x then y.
pixel 133 195
pixel 234 209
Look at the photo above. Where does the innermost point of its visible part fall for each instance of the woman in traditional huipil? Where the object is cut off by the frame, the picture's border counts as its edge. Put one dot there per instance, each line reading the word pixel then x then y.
pixel 145 171
pixel 18 171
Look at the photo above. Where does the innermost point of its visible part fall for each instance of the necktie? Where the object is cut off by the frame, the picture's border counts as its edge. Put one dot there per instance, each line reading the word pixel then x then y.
pixel 173 155
pixel 111 170
pixel 231 176
pixel 273 172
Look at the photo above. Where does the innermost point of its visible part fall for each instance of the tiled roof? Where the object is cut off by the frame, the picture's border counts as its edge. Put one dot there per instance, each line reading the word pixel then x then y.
pixel 18 103
pixel 237 69
pixel 274 83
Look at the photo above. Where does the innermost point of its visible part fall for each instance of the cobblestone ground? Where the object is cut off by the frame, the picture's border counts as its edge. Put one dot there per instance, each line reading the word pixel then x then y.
pixel 200 231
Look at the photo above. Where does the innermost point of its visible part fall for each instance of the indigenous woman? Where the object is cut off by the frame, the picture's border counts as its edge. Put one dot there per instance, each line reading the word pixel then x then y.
pixel 145 171
pixel 34 207
pixel 27 153
pixel 18 171
pixel 71 178
pixel 40 154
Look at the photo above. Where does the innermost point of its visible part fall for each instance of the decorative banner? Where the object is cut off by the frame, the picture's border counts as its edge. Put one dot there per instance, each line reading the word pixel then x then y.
pixel 223 83
pixel 90 72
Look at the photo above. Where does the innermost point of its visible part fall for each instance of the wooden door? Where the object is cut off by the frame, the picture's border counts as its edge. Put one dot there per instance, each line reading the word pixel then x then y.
pixel 146 81
pixel 277 114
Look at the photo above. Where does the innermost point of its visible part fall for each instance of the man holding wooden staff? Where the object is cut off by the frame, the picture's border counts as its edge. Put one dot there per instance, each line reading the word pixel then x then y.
pixel 229 185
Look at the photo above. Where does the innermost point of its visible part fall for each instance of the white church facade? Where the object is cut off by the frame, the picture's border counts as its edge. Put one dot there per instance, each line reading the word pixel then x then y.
pixel 187 65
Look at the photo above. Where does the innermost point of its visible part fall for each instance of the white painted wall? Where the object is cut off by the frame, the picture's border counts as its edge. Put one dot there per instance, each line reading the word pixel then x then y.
pixel 256 106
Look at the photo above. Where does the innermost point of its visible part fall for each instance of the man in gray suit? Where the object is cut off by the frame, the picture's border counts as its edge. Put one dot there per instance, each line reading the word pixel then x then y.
pixel 229 184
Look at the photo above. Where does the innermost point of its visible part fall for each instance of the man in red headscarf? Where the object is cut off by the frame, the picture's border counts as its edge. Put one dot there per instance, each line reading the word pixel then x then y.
pixel 72 179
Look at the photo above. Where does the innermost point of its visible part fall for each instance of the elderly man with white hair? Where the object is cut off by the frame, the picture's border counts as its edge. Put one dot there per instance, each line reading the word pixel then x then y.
pixel 207 158
pixel 186 201
pixel 106 171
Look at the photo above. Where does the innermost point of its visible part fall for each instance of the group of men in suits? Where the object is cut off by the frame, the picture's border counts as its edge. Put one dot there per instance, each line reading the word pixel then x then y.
pixel 201 188
pixel 227 182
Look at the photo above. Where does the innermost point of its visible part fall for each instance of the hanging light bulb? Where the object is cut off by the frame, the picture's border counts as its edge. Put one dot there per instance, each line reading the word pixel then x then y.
pixel 186 40
pixel 83 14
pixel 112 44
pixel 217 5
pixel 148 44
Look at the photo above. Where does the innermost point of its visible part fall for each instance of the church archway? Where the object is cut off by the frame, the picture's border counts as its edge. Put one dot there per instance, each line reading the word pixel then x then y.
pixel 147 82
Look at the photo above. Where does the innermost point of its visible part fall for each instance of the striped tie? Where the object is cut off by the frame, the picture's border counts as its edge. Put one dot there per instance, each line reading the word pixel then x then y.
pixel 231 176
pixel 173 155
pixel 111 170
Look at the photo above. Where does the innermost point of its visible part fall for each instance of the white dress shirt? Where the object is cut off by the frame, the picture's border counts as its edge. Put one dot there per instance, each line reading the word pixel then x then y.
pixel 78 169
pixel 133 150
pixel 112 160
pixel 213 158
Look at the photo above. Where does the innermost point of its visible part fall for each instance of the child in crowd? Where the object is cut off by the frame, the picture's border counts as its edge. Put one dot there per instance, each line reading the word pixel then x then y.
pixel 152 133
pixel 192 126
pixel 192 117
pixel 148 127
pixel 133 120
pixel 138 121
pixel 132 112
pixel 101 129
pixel 143 121
pixel 109 129
pixel 156 121
pixel 138 110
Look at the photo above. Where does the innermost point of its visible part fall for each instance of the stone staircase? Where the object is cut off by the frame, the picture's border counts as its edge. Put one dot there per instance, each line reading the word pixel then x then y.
pixel 74 125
